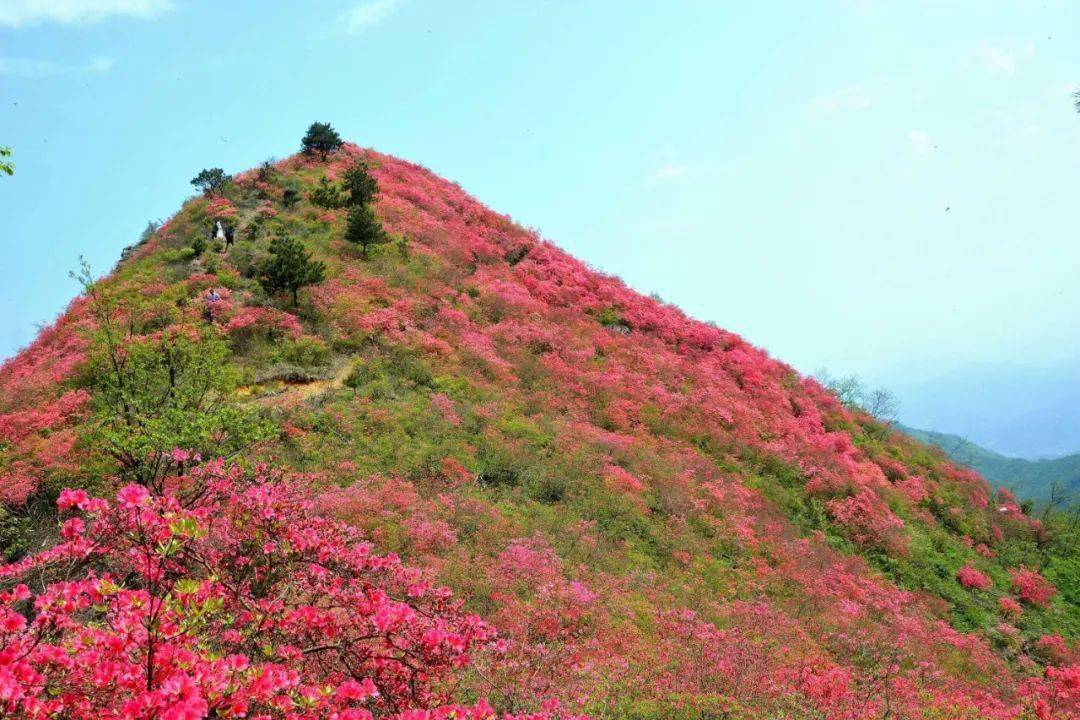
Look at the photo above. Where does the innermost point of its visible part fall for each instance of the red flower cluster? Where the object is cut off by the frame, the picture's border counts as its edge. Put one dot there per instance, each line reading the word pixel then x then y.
pixel 972 579
pixel 1032 587
pixel 227 598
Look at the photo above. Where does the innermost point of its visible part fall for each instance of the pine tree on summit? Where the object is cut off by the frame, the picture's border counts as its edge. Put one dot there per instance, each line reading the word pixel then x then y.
pixel 321 139
pixel 290 268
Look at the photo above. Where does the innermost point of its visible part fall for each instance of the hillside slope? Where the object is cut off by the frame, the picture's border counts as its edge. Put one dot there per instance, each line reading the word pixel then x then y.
pixel 660 519
pixel 1027 478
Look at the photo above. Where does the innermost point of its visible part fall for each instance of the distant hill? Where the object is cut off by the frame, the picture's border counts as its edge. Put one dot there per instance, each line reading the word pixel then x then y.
pixel 1042 421
pixel 1027 478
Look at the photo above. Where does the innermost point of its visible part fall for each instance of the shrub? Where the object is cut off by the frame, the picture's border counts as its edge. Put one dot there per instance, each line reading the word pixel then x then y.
pixel 307 352
pixel 155 386
pixel 223 599
pixel 1009 607
pixel 868 520
pixel 261 322
pixel 154 393
pixel 328 195
pixel 1031 587
pixel 290 196
pixel 972 579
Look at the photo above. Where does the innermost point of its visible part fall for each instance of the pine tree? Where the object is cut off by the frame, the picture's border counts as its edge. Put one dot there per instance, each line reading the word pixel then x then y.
pixel 321 139
pixel 210 180
pixel 362 188
pixel 290 268
pixel 328 195
pixel 364 229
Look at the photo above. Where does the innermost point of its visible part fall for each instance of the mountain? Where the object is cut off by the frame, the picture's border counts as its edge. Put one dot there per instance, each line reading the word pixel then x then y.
pixel 1041 421
pixel 1027 478
pixel 659 519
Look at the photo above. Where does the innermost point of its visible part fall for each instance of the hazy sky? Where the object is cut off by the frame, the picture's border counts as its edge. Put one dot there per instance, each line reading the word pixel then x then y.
pixel 887 187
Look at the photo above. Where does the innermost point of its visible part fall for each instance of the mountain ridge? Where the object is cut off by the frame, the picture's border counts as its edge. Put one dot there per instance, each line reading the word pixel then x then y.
pixel 1028 478
pixel 620 489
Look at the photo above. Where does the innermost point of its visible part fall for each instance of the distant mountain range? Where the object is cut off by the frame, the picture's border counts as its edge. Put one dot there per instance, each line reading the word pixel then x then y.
pixel 1027 478
pixel 1041 421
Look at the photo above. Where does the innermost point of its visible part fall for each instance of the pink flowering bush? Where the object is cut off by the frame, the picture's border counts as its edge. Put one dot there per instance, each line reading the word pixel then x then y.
pixel 251 322
pixel 1032 587
pixel 221 208
pixel 1009 607
pixel 972 579
pixel 868 519
pixel 225 598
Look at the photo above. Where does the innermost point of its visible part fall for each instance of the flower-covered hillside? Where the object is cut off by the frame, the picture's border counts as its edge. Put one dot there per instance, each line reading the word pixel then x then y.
pixel 657 519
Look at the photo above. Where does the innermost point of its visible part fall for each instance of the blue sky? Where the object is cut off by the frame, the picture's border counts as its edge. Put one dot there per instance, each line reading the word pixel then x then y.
pixel 780 168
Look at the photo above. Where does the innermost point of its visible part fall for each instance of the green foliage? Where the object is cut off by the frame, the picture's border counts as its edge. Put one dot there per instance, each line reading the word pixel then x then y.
pixel 198 245
pixel 390 374
pixel 267 172
pixel 359 183
pixel 290 268
pixel 290 196
pixel 499 469
pixel 610 318
pixel 154 393
pixel 364 229
pixel 6 166
pixel 321 139
pixel 210 180
pixel 328 195
pixel 1051 481
pixel 306 352
pixel 15 533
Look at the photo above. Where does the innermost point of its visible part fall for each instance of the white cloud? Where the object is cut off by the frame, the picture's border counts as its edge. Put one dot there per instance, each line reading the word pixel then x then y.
pixel 849 98
pixel 920 141
pixel 1002 59
pixel 30 68
pixel 368 14
pixel 19 13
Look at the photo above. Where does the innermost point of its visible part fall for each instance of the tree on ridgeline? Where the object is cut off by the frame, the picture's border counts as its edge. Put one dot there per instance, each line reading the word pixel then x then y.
pixel 882 404
pixel 210 180
pixel 290 268
pixel 850 390
pixel 321 139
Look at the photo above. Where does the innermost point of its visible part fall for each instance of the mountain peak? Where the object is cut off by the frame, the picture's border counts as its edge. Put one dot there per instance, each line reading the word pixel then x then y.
pixel 659 518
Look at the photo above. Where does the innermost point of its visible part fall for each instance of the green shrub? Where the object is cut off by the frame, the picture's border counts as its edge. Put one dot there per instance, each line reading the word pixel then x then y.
pixel 306 352
pixel 328 195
